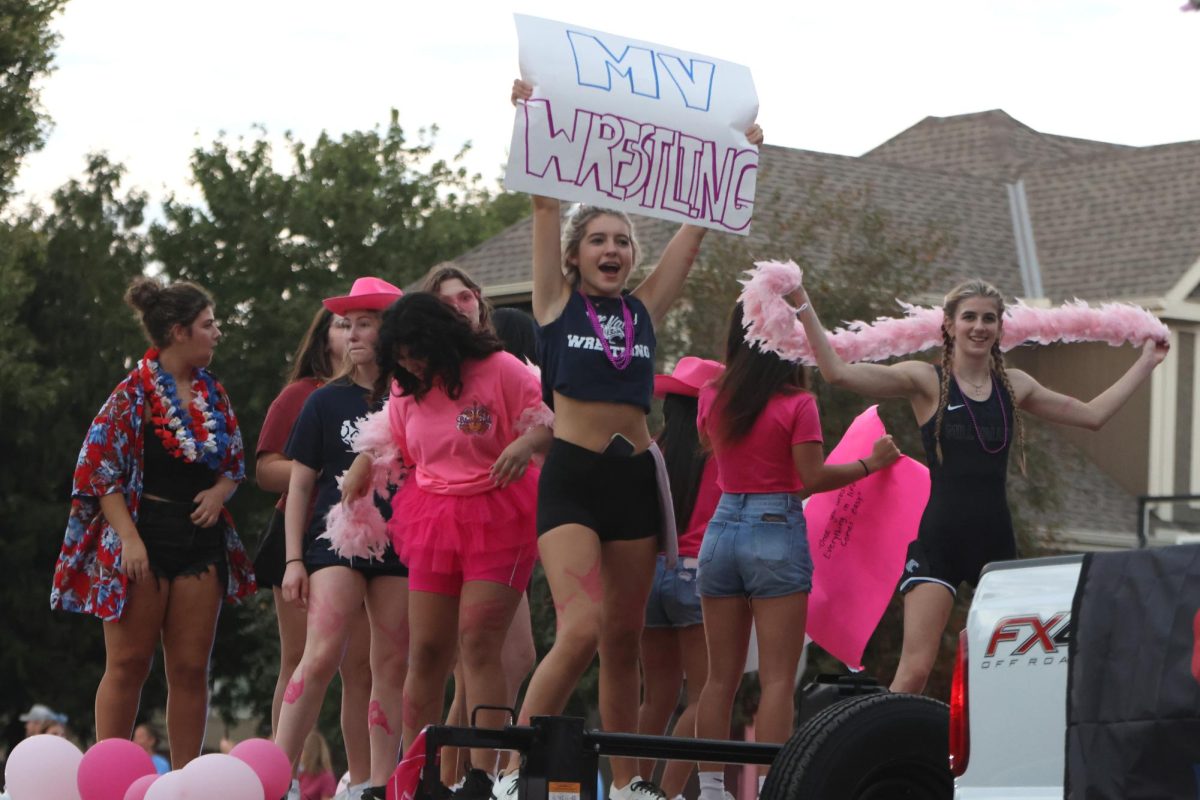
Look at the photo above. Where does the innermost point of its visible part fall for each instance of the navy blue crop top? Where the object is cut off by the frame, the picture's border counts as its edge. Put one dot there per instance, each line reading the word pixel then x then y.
pixel 574 363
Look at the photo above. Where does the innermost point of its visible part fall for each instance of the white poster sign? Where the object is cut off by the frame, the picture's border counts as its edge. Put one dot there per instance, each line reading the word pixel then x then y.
pixel 625 124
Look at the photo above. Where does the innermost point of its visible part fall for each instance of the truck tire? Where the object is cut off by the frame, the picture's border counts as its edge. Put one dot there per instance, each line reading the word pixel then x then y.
pixel 877 747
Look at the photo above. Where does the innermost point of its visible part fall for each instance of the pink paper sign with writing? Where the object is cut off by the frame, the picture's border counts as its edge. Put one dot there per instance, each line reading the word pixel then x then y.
pixel 858 536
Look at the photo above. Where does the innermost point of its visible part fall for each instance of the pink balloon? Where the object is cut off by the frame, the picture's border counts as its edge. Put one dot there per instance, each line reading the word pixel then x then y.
pixel 43 767
pixel 109 767
pixel 220 776
pixel 137 790
pixel 268 762
pixel 170 786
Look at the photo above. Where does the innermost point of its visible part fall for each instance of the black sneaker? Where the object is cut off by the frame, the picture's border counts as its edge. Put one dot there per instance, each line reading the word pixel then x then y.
pixel 374 793
pixel 477 785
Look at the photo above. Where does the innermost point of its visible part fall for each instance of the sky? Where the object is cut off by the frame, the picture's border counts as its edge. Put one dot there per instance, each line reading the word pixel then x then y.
pixel 148 81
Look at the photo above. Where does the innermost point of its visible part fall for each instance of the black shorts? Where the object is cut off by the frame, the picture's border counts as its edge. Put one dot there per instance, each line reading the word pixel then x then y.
pixel 319 554
pixel 616 496
pixel 178 547
pixel 272 549
pixel 941 563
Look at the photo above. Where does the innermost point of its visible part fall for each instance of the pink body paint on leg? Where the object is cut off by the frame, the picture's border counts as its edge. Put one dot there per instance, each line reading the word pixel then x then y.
pixel 411 712
pixel 377 718
pixel 294 689
pixel 484 615
pixel 590 582
pixel 324 618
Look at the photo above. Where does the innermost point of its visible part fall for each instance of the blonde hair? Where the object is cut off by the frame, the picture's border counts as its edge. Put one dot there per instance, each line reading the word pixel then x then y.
pixel 975 287
pixel 315 758
pixel 576 226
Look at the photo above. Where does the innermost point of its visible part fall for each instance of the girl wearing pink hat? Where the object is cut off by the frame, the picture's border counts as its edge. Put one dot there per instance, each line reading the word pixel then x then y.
pixel 331 588
pixel 318 359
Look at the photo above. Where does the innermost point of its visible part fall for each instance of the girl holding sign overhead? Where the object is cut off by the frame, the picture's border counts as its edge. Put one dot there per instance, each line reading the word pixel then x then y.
pixel 598 503
pixel 966 407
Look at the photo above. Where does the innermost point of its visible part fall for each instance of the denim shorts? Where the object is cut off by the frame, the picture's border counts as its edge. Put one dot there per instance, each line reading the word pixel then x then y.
pixel 755 546
pixel 674 600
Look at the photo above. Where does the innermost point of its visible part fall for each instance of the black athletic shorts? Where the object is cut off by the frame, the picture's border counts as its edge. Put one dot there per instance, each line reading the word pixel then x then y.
pixel 616 496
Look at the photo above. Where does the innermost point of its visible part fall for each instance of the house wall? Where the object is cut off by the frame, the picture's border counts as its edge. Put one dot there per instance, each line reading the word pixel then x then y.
pixel 1121 448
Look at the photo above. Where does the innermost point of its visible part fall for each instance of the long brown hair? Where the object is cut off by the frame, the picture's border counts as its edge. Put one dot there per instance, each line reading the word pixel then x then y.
pixel 312 356
pixel 750 379
pixel 966 290
pixel 315 758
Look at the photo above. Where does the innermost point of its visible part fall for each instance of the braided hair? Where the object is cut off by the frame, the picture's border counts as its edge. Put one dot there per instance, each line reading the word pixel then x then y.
pixel 964 291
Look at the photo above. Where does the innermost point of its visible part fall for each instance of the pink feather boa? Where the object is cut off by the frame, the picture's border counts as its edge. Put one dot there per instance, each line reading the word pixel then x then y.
pixel 356 529
pixel 771 323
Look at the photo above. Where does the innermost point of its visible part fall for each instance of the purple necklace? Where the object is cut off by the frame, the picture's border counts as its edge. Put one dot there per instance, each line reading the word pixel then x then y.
pixel 971 414
pixel 626 357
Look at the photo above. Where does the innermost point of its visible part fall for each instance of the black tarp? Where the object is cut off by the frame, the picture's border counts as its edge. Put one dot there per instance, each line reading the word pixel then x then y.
pixel 1133 692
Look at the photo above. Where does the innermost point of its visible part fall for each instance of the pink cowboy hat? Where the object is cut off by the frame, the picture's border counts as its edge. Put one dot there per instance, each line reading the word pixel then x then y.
pixel 367 294
pixel 688 376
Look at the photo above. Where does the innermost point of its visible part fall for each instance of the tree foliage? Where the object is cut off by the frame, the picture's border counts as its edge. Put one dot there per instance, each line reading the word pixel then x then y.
pixel 65 341
pixel 269 243
pixel 26 54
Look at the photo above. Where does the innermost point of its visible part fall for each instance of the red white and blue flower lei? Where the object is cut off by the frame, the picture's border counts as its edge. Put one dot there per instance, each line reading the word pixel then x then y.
pixel 203 435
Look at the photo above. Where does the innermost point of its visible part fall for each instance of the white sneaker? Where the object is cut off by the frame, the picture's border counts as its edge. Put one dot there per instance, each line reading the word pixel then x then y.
pixel 637 789
pixel 505 787
pixel 352 792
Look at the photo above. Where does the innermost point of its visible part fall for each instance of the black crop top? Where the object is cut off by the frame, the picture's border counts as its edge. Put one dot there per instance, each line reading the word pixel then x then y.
pixel 573 359
pixel 169 477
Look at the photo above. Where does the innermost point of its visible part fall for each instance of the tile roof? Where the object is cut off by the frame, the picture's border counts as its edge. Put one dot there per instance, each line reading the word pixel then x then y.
pixel 1121 225
pixel 1109 221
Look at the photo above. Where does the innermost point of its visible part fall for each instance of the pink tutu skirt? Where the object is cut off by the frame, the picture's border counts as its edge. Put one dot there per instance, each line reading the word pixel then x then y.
pixel 492 529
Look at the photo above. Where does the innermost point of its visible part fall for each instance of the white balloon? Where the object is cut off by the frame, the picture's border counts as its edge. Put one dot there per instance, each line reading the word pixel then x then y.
pixel 43 767
pixel 221 776
pixel 170 786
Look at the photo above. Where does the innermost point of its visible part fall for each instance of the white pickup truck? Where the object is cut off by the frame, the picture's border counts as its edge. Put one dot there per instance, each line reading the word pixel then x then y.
pixel 1122 722
pixel 1012 665
pixel 1007 742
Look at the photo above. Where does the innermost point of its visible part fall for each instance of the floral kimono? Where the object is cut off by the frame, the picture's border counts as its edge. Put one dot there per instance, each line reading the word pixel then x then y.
pixel 88 577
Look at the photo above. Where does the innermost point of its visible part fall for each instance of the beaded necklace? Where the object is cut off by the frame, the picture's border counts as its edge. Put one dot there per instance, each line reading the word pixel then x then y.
pixel 975 424
pixel 200 436
pixel 626 358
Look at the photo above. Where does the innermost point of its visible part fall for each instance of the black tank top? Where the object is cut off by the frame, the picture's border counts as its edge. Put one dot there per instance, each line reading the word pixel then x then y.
pixel 573 359
pixel 964 459
pixel 169 477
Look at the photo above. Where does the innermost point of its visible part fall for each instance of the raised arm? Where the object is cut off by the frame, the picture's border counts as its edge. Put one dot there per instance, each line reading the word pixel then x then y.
pixel 664 284
pixel 1048 404
pixel 551 289
pixel 914 380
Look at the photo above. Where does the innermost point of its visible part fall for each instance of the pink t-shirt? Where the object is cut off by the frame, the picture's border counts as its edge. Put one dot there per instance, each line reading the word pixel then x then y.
pixel 707 497
pixel 453 443
pixel 317 787
pixel 761 461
